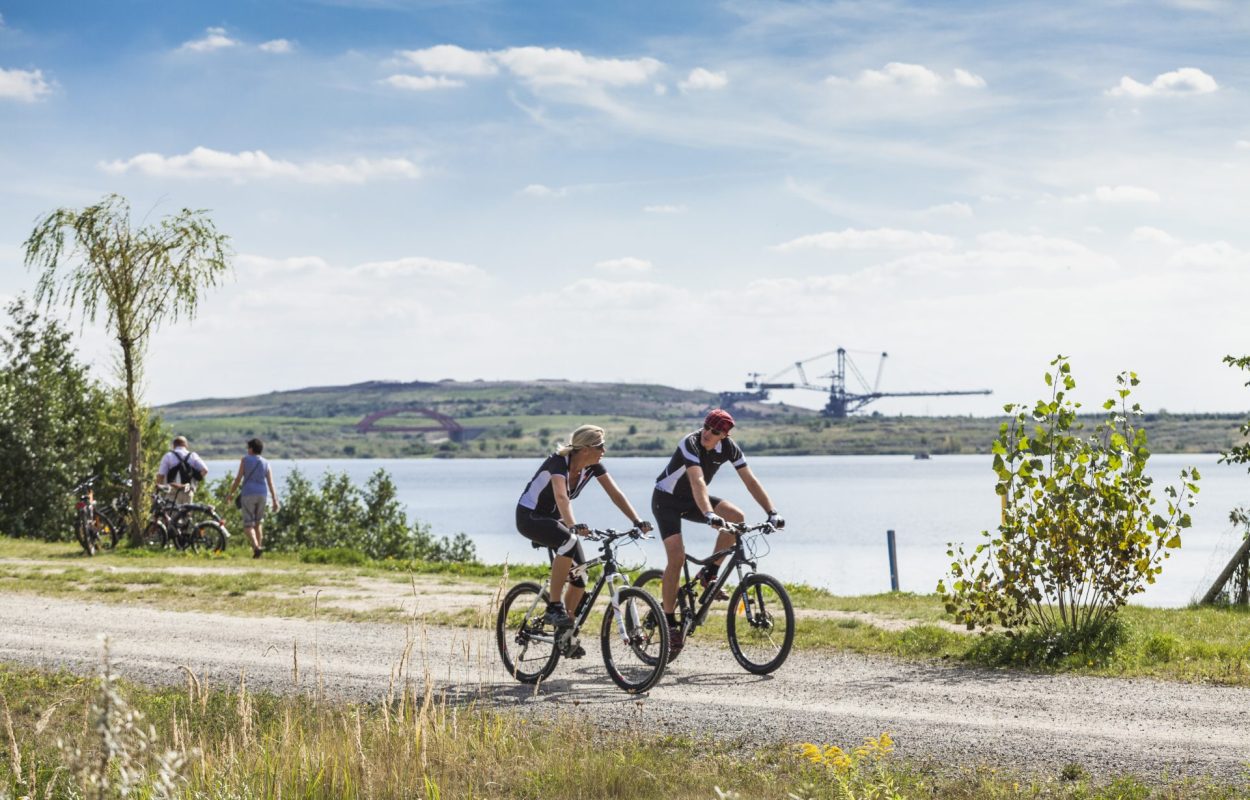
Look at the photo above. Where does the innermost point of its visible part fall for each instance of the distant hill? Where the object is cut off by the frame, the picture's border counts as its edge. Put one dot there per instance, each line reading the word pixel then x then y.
pixel 524 418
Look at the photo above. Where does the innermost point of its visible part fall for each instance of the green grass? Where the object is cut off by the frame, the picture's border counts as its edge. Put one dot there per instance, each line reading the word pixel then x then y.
pixel 237 743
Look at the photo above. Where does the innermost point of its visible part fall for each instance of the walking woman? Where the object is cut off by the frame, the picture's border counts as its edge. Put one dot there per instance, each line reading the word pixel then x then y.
pixel 544 514
pixel 257 480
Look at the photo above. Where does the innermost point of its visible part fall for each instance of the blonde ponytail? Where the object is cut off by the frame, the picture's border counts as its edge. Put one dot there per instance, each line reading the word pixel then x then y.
pixel 585 436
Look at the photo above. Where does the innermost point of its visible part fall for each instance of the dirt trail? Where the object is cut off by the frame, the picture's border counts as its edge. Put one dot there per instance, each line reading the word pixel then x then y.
pixel 954 715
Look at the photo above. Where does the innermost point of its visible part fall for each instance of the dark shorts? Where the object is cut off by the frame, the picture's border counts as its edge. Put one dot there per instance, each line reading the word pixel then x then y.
pixel 669 512
pixel 549 532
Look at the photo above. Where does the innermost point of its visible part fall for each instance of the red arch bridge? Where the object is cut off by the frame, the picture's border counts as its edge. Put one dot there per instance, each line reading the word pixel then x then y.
pixel 440 422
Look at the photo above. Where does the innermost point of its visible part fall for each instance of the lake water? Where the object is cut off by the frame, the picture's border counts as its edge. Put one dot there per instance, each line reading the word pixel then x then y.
pixel 837 510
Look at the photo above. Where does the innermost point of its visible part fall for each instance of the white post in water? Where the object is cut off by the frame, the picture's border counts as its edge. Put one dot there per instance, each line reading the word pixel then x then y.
pixel 889 541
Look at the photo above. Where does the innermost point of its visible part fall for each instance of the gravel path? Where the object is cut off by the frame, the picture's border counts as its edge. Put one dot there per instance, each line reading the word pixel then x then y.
pixel 952 715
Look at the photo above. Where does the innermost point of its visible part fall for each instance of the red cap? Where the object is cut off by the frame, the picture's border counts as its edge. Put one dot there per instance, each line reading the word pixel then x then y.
pixel 719 420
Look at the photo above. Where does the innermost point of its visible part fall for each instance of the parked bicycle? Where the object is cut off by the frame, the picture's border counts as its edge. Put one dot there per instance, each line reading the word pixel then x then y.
pixel 92 527
pixel 116 512
pixel 194 526
pixel 760 623
pixel 635 655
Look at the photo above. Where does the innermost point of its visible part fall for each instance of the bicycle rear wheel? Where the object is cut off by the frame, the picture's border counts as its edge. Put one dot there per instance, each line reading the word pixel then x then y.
pixel 208 536
pixel 761 624
pixel 527 645
pixel 651 582
pixel 155 536
pixel 634 652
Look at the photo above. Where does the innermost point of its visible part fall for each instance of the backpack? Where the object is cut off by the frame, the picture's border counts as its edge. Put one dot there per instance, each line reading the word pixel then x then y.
pixel 182 472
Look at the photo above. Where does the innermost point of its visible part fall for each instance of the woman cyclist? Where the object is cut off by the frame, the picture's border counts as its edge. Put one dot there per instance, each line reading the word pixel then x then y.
pixel 544 514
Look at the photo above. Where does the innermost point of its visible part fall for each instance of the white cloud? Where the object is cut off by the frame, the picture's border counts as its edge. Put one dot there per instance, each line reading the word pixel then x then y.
pixel 605 295
pixel 422 83
pixel 25 86
pixel 278 46
pixel 1212 256
pixel 213 39
pixel 625 265
pixel 1150 235
pixel 665 209
pixel 875 239
pixel 910 77
pixel 420 267
pixel 203 162
pixel 1243 144
pixel 702 79
pixel 448 59
pixel 969 80
pixel 539 190
pixel 262 266
pixel 1184 81
pixel 950 210
pixel 540 66
pixel 1117 195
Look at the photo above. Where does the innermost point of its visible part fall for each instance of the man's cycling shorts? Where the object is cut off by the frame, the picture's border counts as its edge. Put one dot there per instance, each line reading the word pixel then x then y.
pixel 670 511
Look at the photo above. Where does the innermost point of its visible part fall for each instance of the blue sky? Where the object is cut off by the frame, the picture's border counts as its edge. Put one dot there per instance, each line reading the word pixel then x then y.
pixel 672 192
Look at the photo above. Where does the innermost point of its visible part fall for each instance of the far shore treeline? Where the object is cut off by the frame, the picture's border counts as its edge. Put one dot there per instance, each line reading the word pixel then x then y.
pixel 504 419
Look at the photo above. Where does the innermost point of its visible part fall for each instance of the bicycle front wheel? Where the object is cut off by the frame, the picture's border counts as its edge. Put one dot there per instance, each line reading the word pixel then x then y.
pixel 527 645
pixel 634 651
pixel 209 537
pixel 85 534
pixel 155 536
pixel 761 624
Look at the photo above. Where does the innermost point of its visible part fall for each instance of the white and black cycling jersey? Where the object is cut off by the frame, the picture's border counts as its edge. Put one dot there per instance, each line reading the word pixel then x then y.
pixel 539 496
pixel 691 453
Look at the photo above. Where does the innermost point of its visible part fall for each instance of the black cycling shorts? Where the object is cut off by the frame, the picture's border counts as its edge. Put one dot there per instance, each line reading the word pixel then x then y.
pixel 669 512
pixel 549 532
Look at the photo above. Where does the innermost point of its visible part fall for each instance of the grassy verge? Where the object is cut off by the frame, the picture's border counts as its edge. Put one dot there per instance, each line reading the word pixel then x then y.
pixel 1183 644
pixel 60 731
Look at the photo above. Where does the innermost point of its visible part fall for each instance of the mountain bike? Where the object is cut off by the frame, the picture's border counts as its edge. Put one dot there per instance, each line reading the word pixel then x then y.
pixel 635 655
pixel 93 529
pixel 177 524
pixel 760 623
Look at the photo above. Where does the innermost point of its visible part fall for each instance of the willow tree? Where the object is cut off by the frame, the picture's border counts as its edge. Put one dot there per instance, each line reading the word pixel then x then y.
pixel 92 260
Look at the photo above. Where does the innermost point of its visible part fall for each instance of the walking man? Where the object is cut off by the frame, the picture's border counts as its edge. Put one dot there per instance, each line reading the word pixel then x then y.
pixel 180 468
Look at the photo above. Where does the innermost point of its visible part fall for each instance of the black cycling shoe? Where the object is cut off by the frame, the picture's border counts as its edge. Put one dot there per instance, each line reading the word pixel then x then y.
pixel 576 651
pixel 557 616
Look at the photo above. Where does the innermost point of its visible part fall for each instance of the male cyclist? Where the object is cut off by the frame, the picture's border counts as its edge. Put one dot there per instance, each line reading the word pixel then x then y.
pixel 681 493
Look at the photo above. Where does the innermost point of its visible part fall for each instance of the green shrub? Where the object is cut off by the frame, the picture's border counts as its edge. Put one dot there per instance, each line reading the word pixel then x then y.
pixel 1036 646
pixel 1079 535
pixel 58 425
pixel 339 515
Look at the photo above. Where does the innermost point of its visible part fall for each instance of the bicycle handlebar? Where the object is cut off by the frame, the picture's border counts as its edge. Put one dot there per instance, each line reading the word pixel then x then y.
pixel 739 528
pixel 611 535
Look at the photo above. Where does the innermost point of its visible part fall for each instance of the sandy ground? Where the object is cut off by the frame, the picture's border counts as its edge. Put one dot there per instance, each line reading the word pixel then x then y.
pixel 952 715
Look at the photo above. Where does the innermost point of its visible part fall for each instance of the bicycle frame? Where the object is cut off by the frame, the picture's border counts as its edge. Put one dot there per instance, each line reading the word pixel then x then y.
pixel 703 607
pixel 611 577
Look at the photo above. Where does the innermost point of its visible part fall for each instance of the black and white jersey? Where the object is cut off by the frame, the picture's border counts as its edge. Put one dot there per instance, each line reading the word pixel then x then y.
pixel 540 498
pixel 691 453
